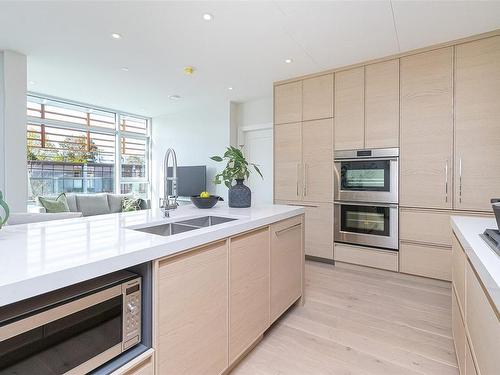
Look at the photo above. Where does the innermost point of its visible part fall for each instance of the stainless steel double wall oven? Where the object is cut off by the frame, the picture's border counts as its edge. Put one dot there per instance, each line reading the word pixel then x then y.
pixel 366 197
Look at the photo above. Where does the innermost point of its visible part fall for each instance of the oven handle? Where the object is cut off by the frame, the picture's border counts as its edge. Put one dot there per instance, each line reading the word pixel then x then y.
pixel 366 204
pixel 366 159
pixel 58 312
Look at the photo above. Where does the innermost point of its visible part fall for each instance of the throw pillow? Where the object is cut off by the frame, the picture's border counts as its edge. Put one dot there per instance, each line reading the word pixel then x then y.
pixel 53 206
pixel 131 204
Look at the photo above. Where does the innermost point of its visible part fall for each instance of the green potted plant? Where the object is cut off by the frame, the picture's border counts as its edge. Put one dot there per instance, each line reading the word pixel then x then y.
pixel 5 208
pixel 237 168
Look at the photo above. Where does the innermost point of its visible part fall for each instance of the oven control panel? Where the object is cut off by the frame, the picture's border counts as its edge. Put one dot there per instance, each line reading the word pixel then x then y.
pixel 132 312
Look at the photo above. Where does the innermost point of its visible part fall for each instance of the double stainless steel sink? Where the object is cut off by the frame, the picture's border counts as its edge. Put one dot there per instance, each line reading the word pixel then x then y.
pixel 177 227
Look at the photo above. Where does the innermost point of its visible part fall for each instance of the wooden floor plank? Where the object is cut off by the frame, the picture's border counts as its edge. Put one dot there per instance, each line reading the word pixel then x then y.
pixel 360 321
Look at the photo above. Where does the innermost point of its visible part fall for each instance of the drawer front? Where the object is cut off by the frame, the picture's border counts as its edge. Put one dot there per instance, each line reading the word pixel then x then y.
pixel 287 258
pixel 483 325
pixel 425 226
pixel 458 333
pixel 425 260
pixel 384 259
pixel 142 365
pixel 319 231
pixel 459 260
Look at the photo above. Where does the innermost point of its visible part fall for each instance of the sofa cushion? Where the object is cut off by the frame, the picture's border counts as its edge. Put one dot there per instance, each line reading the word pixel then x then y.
pixel 71 198
pixel 115 202
pixel 92 204
pixel 52 206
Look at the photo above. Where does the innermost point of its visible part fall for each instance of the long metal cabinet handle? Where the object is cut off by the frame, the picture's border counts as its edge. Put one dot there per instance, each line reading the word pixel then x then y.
pixel 277 233
pixel 298 166
pixel 446 181
pixel 305 179
pixel 460 180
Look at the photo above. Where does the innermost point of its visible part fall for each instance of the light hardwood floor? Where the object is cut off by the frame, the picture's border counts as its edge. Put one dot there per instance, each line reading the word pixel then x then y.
pixel 360 321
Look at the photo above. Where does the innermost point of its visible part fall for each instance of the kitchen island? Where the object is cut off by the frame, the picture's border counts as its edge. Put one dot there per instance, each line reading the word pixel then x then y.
pixel 215 289
pixel 475 297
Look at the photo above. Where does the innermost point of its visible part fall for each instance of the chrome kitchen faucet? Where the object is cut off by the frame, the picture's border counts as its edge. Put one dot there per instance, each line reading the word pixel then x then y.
pixel 169 200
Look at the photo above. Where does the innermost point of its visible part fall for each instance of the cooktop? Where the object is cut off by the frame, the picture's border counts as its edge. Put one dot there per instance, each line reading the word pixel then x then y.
pixel 492 238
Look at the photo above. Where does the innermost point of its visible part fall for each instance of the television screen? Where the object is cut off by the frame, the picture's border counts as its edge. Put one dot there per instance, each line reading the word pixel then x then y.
pixel 191 180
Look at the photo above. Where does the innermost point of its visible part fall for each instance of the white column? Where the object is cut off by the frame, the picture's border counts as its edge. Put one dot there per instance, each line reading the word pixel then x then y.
pixel 13 169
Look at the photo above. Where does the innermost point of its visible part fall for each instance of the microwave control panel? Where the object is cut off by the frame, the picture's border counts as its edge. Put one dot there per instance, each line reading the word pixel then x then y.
pixel 132 301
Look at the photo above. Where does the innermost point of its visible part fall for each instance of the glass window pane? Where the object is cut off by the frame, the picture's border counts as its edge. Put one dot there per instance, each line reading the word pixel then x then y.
pixel 133 124
pixel 140 189
pixel 134 157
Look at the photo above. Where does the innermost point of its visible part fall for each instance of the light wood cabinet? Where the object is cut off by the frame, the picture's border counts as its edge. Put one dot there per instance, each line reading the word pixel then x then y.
pixel 366 256
pixel 425 226
pixel 249 280
pixel 382 104
pixel 349 109
pixel 317 97
pixel 319 230
pixel 470 367
pixel 483 324
pixel 141 365
pixel 459 336
pixel 192 308
pixel 317 157
pixel 425 260
pixel 287 258
pixel 477 129
pixel 288 161
pixel 288 103
pixel 459 259
pixel 427 129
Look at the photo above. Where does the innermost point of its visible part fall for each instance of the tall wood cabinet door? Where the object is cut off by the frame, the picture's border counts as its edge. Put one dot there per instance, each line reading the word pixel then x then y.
pixel 382 104
pixel 288 161
pixel 192 312
pixel 477 124
pixel 349 109
pixel 427 129
pixel 288 103
pixel 248 290
pixel 317 160
pixel 317 97
pixel 319 230
pixel 287 257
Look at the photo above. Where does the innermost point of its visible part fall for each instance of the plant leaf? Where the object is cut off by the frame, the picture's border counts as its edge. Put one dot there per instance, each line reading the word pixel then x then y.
pixel 258 170
pixel 228 184
pixel 216 158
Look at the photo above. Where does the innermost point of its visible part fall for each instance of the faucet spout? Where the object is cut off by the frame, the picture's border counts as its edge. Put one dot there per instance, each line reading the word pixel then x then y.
pixel 170 194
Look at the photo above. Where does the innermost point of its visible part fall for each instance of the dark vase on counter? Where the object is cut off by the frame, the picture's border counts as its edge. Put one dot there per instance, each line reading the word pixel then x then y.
pixel 240 195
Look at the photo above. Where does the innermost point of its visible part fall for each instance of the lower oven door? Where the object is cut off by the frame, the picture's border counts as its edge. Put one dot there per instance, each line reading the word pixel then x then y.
pixel 72 338
pixel 366 224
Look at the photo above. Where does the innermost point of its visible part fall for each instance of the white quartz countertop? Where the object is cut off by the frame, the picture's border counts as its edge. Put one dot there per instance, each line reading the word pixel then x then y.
pixel 41 257
pixel 485 261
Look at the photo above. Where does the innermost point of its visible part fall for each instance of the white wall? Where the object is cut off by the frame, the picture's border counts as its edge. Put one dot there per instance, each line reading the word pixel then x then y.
pixel 195 135
pixel 13 173
pixel 253 112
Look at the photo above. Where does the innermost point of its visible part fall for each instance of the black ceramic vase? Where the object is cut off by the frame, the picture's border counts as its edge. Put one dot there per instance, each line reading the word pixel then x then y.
pixel 240 195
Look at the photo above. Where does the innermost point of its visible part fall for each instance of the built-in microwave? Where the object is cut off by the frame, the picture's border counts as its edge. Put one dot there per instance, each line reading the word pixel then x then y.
pixel 367 175
pixel 72 330
pixel 367 224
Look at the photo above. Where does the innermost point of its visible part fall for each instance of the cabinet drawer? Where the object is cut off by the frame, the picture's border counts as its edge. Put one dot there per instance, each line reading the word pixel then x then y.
pixel 248 290
pixel 425 260
pixel 384 259
pixel 483 325
pixel 458 333
pixel 425 226
pixel 287 257
pixel 459 260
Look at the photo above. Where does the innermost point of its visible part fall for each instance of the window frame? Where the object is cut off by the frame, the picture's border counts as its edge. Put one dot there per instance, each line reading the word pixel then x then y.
pixel 117 133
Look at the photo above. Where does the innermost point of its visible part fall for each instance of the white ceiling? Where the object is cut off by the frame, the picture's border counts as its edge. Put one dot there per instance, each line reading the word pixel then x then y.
pixel 71 53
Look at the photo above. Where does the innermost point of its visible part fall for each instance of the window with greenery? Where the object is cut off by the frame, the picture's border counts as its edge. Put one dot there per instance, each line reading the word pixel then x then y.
pixel 79 148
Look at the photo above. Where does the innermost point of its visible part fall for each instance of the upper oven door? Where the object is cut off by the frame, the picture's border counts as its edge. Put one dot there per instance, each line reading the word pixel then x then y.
pixel 366 180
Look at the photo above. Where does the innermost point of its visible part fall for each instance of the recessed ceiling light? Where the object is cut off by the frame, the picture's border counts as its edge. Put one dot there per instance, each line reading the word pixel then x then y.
pixel 208 17
pixel 288 61
pixel 32 82
pixel 174 97
pixel 229 88
pixel 116 36
pixel 124 68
